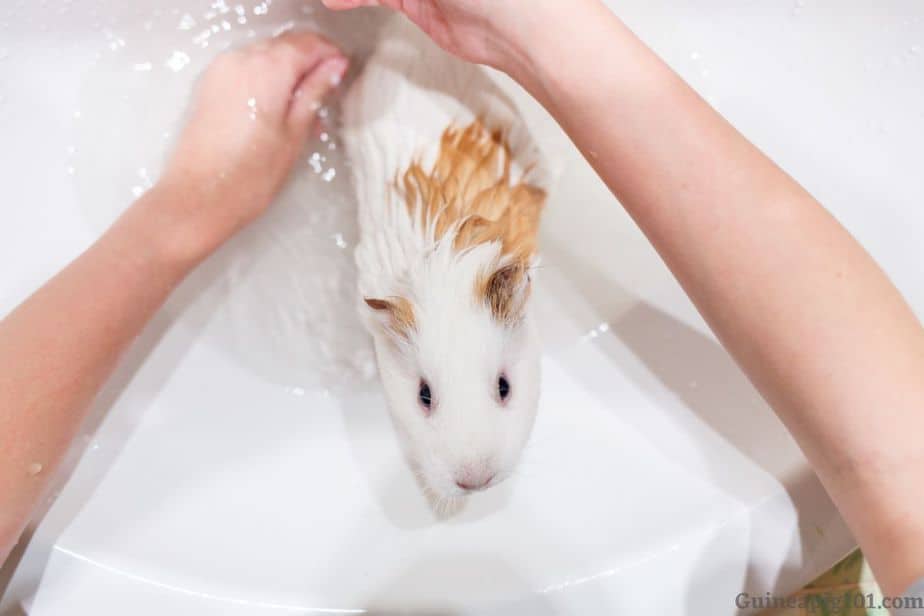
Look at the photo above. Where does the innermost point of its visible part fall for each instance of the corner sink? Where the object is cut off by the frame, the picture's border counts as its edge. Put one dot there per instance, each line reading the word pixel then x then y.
pixel 242 461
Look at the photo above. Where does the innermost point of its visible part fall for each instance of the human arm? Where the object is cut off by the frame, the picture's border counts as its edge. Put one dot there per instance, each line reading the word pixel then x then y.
pixel 810 317
pixel 58 348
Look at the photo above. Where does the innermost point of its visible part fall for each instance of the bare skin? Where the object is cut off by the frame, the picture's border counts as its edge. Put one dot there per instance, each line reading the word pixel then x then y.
pixel 225 172
pixel 792 296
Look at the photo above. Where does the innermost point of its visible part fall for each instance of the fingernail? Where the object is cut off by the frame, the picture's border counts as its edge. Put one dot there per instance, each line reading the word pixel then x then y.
pixel 335 68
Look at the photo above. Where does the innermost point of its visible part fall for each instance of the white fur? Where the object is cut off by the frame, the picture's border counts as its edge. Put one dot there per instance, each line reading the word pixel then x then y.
pixel 409 92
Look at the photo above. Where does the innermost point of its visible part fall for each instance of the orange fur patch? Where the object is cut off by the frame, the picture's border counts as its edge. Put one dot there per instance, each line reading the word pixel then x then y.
pixel 400 312
pixel 505 291
pixel 470 186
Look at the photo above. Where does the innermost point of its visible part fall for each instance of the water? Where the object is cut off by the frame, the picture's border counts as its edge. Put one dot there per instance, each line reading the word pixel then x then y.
pixel 280 297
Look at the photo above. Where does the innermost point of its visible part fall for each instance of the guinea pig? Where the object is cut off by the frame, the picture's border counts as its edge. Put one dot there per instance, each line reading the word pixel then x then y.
pixel 449 216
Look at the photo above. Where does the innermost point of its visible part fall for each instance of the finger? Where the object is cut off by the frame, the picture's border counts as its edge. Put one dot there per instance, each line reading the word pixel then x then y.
pixel 302 51
pixel 314 86
pixel 342 5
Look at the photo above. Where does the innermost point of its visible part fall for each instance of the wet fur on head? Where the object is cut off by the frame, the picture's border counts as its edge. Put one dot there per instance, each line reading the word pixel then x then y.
pixel 468 198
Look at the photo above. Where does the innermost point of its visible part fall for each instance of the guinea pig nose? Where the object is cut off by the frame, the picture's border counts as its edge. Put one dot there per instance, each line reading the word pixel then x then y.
pixel 470 484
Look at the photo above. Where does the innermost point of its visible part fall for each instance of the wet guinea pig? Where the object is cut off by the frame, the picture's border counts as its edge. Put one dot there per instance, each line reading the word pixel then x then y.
pixel 449 214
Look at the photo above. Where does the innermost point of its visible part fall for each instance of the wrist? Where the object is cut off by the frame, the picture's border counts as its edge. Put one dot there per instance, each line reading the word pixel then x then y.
pixel 166 226
pixel 562 47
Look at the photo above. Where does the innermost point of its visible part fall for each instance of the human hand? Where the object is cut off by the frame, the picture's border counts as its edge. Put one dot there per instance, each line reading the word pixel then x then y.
pixel 496 33
pixel 251 116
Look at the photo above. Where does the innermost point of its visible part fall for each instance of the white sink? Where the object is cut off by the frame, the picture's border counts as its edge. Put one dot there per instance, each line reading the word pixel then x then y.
pixel 242 461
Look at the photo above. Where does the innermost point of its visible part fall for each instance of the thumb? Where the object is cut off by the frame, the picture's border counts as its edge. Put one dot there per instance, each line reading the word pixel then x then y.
pixel 314 86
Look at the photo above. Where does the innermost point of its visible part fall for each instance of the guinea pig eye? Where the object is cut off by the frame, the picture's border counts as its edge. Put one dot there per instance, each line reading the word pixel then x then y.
pixel 503 387
pixel 424 396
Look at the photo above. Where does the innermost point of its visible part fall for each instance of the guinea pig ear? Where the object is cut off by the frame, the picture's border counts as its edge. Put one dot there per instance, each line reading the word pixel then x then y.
pixel 396 315
pixel 505 292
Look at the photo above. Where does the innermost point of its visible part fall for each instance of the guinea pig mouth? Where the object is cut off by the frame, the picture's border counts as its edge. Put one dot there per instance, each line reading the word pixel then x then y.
pixel 480 484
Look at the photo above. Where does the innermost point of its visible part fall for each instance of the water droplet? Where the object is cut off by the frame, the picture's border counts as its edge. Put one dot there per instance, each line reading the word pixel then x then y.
pixel 329 175
pixel 177 61
pixel 115 42
pixel 187 22
pixel 315 162
pixel 202 39
pixel 35 468
pixel 146 179
pixel 143 67
pixel 286 27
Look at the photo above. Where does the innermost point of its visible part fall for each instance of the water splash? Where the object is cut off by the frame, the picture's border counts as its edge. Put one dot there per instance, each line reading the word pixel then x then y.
pixel 279 298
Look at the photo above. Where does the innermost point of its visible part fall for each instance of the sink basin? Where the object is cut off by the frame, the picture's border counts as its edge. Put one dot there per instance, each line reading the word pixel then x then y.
pixel 242 461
